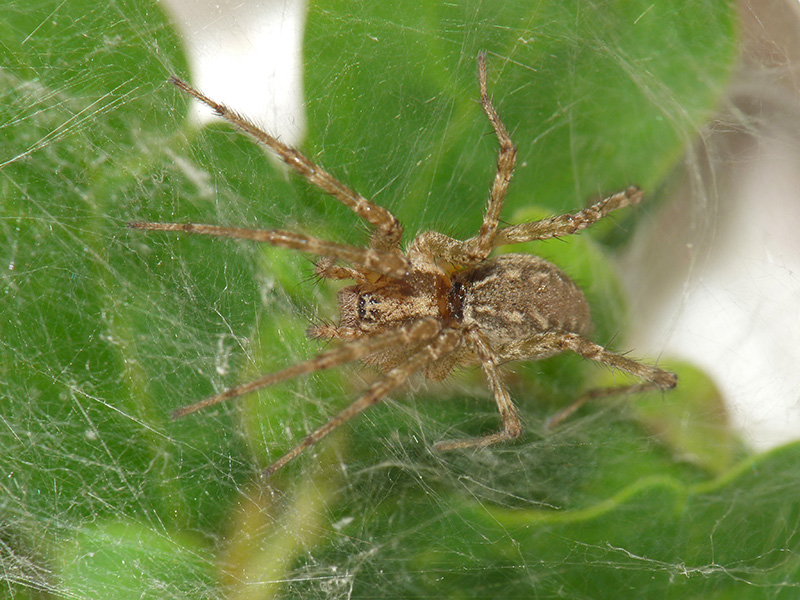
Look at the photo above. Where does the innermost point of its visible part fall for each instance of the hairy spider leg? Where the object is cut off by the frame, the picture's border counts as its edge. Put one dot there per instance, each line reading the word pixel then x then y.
pixel 441 345
pixel 431 244
pixel 388 229
pixel 622 390
pixel 567 223
pixel 512 427
pixel 557 341
pixel 560 341
pixel 410 333
pixel 387 263
pixel 481 245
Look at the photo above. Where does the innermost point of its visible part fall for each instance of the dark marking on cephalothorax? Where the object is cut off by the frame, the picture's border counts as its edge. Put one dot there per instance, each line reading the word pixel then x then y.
pixel 455 300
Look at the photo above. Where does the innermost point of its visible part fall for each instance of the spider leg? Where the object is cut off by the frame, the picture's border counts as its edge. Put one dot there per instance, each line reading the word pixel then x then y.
pixel 326 267
pixel 512 427
pixel 443 343
pixel 481 245
pixel 565 413
pixel 662 379
pixel 388 263
pixel 388 229
pixel 433 244
pixel 410 333
pixel 553 342
pixel 567 223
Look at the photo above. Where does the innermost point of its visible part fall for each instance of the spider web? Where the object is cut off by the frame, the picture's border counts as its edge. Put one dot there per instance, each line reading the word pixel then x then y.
pixel 105 330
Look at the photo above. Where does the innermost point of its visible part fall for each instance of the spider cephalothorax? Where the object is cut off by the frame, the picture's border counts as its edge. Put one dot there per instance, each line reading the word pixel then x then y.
pixel 444 302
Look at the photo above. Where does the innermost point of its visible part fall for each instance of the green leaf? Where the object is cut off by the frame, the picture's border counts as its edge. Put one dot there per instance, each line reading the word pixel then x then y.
pixel 125 559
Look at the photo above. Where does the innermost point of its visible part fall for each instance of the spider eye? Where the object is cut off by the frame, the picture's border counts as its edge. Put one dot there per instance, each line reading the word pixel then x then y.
pixel 362 302
pixel 366 307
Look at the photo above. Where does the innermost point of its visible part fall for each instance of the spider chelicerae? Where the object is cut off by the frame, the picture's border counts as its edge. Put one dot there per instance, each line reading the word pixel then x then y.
pixel 442 303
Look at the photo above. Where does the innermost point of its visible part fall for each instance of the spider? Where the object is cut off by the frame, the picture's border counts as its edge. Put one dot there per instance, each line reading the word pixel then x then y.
pixel 444 302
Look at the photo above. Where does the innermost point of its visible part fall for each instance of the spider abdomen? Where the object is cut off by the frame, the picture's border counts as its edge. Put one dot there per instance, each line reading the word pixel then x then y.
pixel 515 296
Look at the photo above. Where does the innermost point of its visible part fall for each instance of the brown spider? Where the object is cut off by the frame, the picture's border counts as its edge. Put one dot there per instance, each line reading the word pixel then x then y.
pixel 441 304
